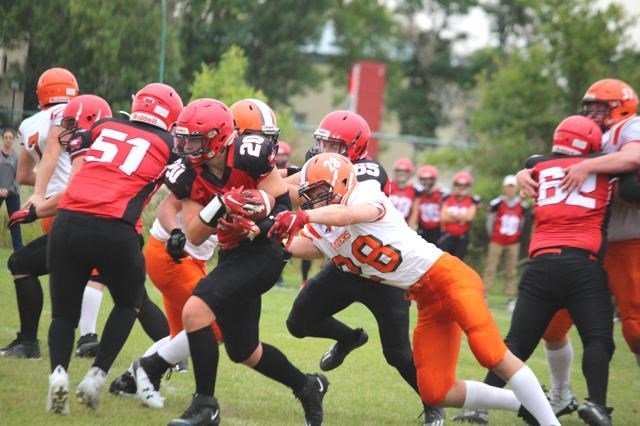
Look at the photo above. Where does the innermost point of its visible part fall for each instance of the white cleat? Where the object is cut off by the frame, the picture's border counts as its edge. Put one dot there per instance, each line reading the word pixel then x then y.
pixel 89 389
pixel 148 394
pixel 58 397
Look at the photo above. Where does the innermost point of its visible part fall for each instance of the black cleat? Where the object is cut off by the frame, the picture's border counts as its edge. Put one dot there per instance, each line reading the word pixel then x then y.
pixel 87 346
pixel 124 385
pixel 433 416
pixel 21 348
pixel 335 356
pixel 595 414
pixel 203 411
pixel 473 416
pixel 528 418
pixel 311 396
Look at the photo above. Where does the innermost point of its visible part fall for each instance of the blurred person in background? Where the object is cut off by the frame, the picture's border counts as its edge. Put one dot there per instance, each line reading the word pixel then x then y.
pixel 9 189
pixel 402 192
pixel 458 211
pixel 504 226
pixel 426 211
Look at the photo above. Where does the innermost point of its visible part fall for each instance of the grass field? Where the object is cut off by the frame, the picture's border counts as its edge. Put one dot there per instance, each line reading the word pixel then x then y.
pixel 364 391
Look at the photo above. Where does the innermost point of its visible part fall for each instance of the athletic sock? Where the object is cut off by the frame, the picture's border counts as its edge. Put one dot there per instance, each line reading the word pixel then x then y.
pixel 91 300
pixel 485 397
pixel 176 350
pixel 29 296
pixel 204 357
pixel 275 365
pixel 529 392
pixel 155 347
pixel 560 361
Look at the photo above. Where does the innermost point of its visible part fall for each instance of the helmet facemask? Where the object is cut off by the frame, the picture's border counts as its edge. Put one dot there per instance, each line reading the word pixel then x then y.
pixel 197 148
pixel 318 194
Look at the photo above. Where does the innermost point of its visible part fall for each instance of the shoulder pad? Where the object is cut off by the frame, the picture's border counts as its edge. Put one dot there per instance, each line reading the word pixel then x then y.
pixel 254 154
pixel 179 179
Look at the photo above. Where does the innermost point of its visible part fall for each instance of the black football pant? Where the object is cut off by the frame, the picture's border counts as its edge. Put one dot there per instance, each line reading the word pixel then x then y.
pixel 333 290
pixel 569 280
pixel 77 243
pixel 456 246
pixel 431 235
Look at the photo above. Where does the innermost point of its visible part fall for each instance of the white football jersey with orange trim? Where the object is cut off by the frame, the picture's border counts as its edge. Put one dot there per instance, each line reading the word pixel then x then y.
pixel 624 222
pixel 385 250
pixel 202 252
pixel 32 135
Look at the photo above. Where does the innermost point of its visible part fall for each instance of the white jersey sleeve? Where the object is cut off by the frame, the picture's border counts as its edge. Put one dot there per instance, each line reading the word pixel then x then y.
pixel 385 250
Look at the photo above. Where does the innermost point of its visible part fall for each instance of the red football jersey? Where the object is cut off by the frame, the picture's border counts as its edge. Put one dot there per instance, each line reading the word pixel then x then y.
pixel 403 198
pixel 576 219
pixel 459 206
pixel 429 205
pixel 507 225
pixel 250 158
pixel 122 168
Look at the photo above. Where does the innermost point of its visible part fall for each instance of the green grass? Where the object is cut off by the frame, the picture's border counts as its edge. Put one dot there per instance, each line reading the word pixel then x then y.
pixel 364 391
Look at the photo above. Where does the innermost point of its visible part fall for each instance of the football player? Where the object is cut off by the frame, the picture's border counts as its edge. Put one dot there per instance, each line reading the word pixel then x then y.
pixel 456 215
pixel 334 289
pixel 96 226
pixel 613 104
pixel 402 192
pixel 208 180
pixel 426 211
pixel 38 136
pixel 565 269
pixel 355 225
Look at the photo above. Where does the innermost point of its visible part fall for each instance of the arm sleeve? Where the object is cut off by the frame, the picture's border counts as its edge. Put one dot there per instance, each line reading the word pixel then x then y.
pixel 283 203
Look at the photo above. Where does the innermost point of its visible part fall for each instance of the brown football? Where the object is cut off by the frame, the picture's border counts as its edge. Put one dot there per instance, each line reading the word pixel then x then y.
pixel 263 202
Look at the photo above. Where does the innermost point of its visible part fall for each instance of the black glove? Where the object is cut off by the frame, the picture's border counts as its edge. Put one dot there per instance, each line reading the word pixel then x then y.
pixel 22 216
pixel 175 244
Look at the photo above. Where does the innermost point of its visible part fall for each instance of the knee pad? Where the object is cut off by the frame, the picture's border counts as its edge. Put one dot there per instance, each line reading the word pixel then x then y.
pixel 631 333
pixel 487 345
pixel 434 387
pixel 16 265
pixel 296 327
pixel 239 352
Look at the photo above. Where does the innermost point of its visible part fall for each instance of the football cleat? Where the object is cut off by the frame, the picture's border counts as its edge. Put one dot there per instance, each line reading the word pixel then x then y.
pixel 182 366
pixel 87 346
pixel 20 348
pixel 473 416
pixel 203 411
pixel 124 385
pixel 563 405
pixel 595 414
pixel 311 396
pixel 148 388
pixel 58 396
pixel 528 418
pixel 89 389
pixel 433 416
pixel 335 356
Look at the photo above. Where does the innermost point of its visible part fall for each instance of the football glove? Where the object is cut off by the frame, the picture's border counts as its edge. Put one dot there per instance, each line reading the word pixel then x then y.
pixel 232 230
pixel 25 215
pixel 175 245
pixel 288 224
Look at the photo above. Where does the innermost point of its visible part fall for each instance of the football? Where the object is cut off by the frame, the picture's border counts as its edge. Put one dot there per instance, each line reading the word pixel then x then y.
pixel 262 201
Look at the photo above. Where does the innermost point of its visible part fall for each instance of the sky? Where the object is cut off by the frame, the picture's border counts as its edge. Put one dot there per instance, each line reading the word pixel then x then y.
pixel 477 26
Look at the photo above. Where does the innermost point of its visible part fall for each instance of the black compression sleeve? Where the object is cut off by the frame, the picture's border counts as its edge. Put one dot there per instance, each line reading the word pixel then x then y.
pixel 283 203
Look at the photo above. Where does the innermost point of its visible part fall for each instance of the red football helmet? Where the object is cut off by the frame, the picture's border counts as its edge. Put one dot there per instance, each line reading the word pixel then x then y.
pixel 344 128
pixel 156 104
pixel 203 129
pixel 427 172
pixel 619 98
pixel 56 86
pixel 284 148
pixel 462 179
pixel 80 114
pixel 577 135
pixel 403 165
pixel 325 178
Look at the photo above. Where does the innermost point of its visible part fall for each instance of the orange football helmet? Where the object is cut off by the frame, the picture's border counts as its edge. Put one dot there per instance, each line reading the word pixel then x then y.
pixel 618 96
pixel 56 86
pixel 325 178
pixel 254 116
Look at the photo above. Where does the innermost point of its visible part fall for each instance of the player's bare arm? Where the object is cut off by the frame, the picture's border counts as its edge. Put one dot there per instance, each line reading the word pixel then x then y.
pixel 293 183
pixel 625 160
pixel 415 211
pixel 167 212
pixel 303 248
pixel 196 230
pixel 48 164
pixel 337 215
pixel 25 174
pixel 528 186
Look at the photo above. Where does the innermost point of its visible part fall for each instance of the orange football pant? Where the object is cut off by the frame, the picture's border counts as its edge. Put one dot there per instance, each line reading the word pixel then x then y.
pixel 623 268
pixel 450 298
pixel 175 281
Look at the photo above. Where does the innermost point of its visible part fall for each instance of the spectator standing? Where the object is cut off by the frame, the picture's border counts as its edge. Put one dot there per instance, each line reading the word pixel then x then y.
pixel 9 189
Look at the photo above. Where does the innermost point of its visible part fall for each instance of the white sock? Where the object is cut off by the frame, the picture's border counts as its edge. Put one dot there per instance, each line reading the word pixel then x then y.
pixel 528 390
pixel 485 397
pixel 560 361
pixel 157 345
pixel 90 308
pixel 176 350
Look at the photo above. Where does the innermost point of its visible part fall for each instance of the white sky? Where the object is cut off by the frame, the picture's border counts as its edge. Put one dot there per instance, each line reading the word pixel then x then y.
pixel 477 26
